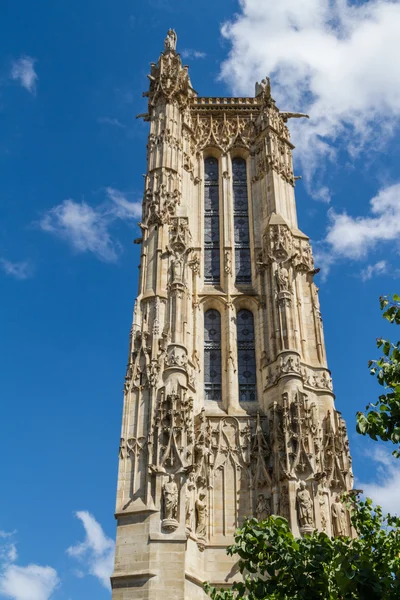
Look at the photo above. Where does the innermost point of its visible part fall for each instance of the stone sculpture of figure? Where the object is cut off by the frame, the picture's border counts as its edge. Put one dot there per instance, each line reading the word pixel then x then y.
pixel 323 510
pixel 305 511
pixel 201 514
pixel 282 276
pixel 170 496
pixel 264 87
pixel 196 360
pixel 170 41
pixel 339 525
pixel 177 268
pixel 190 486
pixel 262 507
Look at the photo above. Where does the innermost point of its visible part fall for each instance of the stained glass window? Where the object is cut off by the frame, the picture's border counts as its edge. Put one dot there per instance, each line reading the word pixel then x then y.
pixel 211 221
pixel 246 356
pixel 212 355
pixel 241 221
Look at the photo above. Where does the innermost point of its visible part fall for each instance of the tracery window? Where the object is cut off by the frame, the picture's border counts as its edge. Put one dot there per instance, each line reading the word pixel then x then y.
pixel 241 221
pixel 211 221
pixel 212 355
pixel 246 356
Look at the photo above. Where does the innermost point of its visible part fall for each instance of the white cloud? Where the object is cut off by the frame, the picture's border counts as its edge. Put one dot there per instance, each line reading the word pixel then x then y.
pixel 18 270
pixel 110 121
pixel 379 268
pixel 23 71
pixel 385 491
pixel 33 582
pixel 333 59
pixel 354 238
pixel 190 53
pixel 123 208
pixel 83 227
pixel 6 534
pixel 96 552
pixel 28 583
pixel 8 550
pixel 87 229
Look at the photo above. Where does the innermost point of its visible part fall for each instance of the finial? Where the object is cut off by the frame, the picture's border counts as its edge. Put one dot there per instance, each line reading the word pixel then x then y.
pixel 170 41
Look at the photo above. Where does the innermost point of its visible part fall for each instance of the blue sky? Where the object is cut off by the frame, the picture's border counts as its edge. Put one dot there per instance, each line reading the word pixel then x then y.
pixel 72 156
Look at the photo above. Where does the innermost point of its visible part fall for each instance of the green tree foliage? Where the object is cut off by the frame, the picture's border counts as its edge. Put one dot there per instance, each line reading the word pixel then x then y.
pixel 382 420
pixel 277 566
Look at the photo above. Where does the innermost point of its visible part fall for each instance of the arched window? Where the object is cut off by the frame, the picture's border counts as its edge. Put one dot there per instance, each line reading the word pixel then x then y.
pixel 246 356
pixel 241 221
pixel 212 355
pixel 211 221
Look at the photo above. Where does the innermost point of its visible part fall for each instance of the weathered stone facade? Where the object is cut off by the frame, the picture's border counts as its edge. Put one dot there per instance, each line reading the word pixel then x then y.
pixel 194 464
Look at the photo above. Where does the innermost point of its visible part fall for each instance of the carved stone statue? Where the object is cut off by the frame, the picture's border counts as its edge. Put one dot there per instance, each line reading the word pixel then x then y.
pixel 177 269
pixel 189 509
pixel 323 508
pixel 170 41
pixel 339 525
pixel 262 507
pixel 264 87
pixel 305 509
pixel 201 516
pixel 282 278
pixel 170 498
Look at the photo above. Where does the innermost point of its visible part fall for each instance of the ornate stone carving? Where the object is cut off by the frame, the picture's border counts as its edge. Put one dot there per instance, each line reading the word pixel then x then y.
pixel 170 504
pixel 136 374
pixel 284 503
pixel 223 133
pixel 202 450
pixel 323 509
pixel 282 279
pixel 169 80
pixel 164 138
pixel 153 372
pixel 179 235
pixel 339 518
pixel 189 504
pixel 196 360
pixel 336 457
pixel 317 379
pixel 160 203
pixel 194 263
pixel 262 166
pixel 260 452
pixel 303 259
pixel 201 517
pixel 228 262
pixel 262 507
pixel 156 319
pixel 305 509
pixel 172 435
pixel 278 243
pixel 263 89
pixel 170 41
pixel 176 357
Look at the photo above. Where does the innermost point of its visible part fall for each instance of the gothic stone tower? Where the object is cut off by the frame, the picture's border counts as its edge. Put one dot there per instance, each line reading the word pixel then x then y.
pixel 229 409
